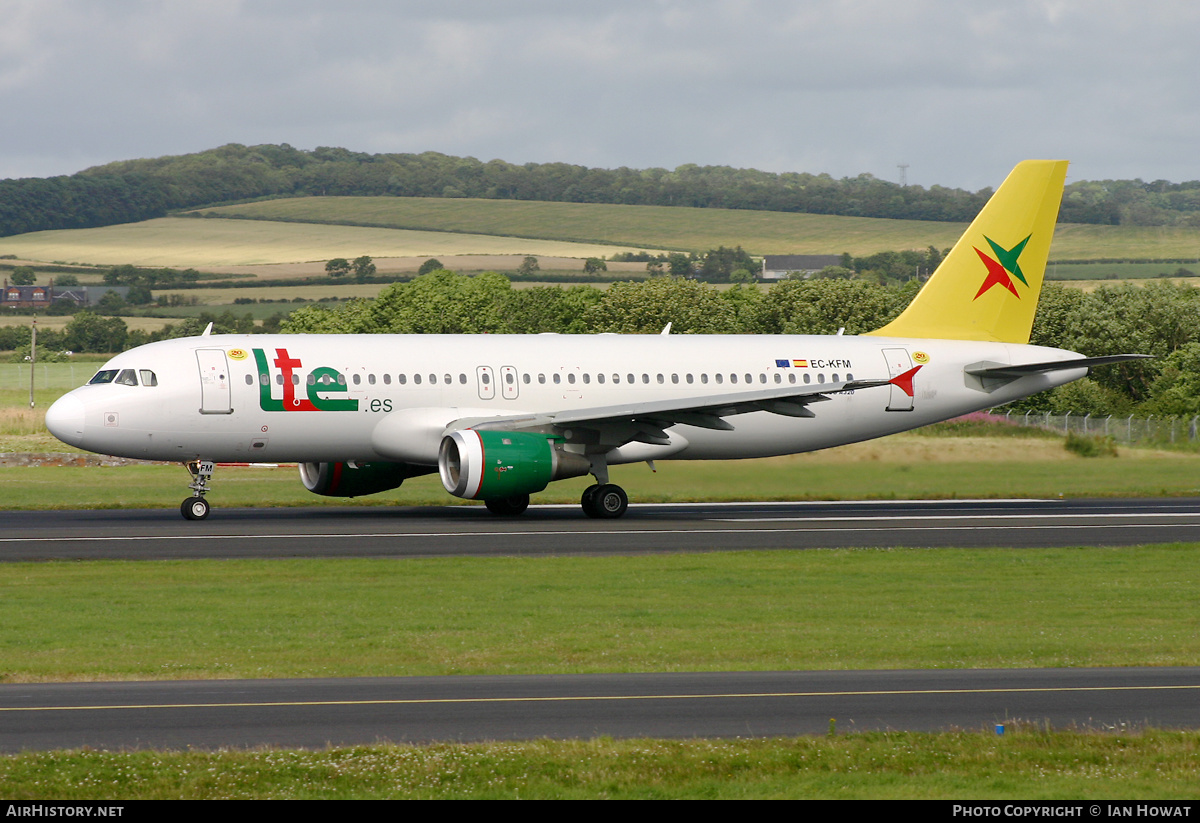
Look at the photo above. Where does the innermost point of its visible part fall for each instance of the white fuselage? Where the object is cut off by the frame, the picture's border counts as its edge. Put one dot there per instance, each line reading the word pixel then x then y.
pixel 313 398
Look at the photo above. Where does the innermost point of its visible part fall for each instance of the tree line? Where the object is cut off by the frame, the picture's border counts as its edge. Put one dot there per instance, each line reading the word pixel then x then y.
pixel 1160 319
pixel 133 190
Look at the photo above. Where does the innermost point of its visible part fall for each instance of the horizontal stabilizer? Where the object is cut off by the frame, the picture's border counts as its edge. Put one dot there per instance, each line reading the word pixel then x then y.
pixel 1022 369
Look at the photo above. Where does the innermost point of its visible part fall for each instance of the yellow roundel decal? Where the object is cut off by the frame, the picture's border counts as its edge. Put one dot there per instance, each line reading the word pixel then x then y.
pixel 238 354
pixel 920 357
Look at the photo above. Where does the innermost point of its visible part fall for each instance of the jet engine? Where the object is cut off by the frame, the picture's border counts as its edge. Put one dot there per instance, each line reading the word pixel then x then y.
pixel 356 479
pixel 494 465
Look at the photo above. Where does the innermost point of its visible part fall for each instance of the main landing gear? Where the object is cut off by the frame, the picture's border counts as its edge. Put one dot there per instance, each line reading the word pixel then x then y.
pixel 604 501
pixel 196 507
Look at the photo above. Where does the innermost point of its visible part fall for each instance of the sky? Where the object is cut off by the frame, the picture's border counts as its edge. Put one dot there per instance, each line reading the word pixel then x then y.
pixel 956 90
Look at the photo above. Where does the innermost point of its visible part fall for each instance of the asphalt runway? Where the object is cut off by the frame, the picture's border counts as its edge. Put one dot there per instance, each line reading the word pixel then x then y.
pixel 320 713
pixel 316 713
pixel 563 530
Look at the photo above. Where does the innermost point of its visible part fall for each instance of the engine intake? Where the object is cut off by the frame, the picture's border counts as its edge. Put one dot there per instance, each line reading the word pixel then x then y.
pixel 492 465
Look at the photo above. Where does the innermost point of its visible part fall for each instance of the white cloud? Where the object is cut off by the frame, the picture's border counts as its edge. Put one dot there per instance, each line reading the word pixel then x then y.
pixel 959 90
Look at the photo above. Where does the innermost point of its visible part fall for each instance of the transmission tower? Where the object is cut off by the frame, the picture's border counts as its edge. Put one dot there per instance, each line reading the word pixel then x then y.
pixel 903 174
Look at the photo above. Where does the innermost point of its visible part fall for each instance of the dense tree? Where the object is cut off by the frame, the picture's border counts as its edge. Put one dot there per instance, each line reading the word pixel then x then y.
pixel 364 268
pixel 23 276
pixel 337 267
pixel 432 264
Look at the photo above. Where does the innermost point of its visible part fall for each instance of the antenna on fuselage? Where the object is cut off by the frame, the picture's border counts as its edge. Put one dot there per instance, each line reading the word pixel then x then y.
pixel 666 329
pixel 207 330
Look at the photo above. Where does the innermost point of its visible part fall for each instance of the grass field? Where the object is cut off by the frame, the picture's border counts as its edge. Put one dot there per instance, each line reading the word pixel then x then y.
pixel 210 244
pixel 1027 764
pixel 432 227
pixel 700 229
pixel 720 611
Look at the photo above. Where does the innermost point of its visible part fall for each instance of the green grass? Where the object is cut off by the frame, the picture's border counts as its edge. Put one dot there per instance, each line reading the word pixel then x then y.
pixel 699 229
pixel 1116 271
pixel 211 244
pixel 727 611
pixel 431 227
pixel 901 471
pixel 1026 764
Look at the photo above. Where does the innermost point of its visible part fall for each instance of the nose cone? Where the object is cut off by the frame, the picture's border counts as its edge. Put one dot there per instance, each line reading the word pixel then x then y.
pixel 64 419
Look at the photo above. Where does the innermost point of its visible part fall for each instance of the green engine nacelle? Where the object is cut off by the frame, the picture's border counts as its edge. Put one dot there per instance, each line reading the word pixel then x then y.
pixel 355 479
pixel 491 465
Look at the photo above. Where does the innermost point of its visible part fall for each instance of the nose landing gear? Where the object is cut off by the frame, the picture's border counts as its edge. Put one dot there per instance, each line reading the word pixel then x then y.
pixel 196 507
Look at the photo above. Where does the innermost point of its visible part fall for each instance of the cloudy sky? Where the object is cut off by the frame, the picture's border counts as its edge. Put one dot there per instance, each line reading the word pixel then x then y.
pixel 957 89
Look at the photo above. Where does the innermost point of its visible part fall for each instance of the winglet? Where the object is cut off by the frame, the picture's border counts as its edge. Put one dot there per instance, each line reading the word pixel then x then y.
pixel 905 381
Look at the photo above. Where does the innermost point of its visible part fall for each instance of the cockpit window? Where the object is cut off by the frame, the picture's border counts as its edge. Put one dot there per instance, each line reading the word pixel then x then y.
pixel 125 377
pixel 104 376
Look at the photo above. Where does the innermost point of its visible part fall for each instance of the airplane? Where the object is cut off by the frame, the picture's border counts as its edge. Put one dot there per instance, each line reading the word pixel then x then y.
pixel 499 417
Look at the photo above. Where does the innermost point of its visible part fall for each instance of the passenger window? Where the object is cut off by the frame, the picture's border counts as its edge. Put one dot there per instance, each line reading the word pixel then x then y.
pixel 525 378
pixel 249 380
pixel 448 379
pixel 557 379
pixel 571 378
pixel 629 378
pixel 587 378
pixel 733 378
pixel 462 378
pixel 645 378
pixel 417 379
pixel 357 379
pixel 820 378
pixel 312 379
pixel 403 378
pixel 600 378
pixel 704 378
pixel 660 379
pixel 371 379
pixel 778 379
pixel 807 378
pixel 542 379
pixel 387 380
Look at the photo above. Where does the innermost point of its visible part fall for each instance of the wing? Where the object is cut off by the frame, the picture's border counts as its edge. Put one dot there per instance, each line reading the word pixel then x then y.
pixel 647 422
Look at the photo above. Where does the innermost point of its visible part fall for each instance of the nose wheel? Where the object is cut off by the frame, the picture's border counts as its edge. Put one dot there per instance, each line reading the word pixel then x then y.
pixel 196 507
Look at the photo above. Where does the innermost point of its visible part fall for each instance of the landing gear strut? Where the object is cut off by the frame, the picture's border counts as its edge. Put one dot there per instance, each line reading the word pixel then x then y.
pixel 196 507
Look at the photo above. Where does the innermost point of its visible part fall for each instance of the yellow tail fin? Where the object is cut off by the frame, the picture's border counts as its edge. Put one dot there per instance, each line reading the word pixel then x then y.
pixel 987 287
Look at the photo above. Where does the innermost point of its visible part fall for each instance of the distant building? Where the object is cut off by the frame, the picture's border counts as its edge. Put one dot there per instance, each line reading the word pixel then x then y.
pixel 779 266
pixel 40 297
pixel 35 297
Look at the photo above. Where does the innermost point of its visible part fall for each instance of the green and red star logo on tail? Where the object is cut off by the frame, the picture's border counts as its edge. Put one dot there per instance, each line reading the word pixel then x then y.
pixel 999 268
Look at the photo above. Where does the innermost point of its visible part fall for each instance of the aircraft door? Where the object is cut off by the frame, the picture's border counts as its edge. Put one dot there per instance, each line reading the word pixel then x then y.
pixel 898 362
pixel 214 382
pixel 486 381
pixel 508 382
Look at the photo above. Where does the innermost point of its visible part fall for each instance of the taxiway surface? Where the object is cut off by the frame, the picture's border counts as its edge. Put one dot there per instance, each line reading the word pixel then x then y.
pixel 560 530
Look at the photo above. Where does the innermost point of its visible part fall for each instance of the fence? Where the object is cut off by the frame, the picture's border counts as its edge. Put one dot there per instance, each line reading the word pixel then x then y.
pixel 47 375
pixel 1127 430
